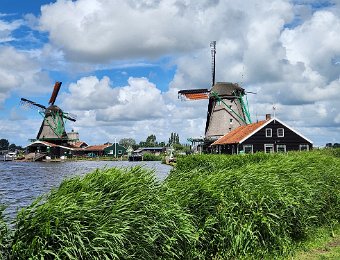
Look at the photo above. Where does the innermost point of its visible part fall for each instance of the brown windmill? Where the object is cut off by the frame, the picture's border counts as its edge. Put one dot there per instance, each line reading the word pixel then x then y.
pixel 227 108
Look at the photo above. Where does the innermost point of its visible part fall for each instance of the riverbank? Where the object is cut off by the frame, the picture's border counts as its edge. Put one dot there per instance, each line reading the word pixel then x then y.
pixel 209 207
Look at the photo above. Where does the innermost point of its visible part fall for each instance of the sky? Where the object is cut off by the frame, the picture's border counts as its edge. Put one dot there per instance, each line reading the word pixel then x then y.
pixel 122 62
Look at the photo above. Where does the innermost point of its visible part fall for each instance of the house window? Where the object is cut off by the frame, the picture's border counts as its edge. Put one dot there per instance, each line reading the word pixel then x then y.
pixel 304 147
pixel 281 148
pixel 268 148
pixel 248 148
pixel 280 132
pixel 269 132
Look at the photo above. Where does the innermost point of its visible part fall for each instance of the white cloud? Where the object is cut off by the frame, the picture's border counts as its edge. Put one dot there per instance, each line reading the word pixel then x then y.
pixel 6 29
pixel 315 43
pixel 18 72
pixel 135 110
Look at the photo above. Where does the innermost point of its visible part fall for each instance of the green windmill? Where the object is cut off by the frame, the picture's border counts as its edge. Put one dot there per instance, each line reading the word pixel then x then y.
pixel 52 128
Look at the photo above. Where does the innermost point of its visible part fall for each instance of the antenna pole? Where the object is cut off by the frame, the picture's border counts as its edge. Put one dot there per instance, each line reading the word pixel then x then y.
pixel 213 62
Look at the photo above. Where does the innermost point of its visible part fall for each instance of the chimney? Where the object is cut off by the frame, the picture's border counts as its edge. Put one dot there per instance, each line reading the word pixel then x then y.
pixel 268 117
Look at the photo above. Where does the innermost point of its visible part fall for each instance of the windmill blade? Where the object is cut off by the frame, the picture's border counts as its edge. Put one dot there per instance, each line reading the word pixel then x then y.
pixel 55 92
pixel 70 117
pixel 31 104
pixel 194 94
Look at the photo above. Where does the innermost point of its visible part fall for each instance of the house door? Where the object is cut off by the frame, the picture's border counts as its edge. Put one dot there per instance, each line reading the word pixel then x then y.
pixel 268 148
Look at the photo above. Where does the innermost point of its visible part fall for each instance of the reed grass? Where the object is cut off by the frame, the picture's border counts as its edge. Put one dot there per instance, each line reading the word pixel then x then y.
pixel 108 214
pixel 256 206
pixel 4 233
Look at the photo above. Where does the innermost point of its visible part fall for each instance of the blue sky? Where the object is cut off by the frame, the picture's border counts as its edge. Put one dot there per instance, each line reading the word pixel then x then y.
pixel 122 63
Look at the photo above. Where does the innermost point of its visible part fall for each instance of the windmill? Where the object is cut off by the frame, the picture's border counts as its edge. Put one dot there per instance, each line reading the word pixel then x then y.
pixel 52 128
pixel 227 108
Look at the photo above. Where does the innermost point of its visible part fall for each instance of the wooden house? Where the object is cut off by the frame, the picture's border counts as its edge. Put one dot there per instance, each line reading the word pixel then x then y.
pixel 53 151
pixel 115 150
pixel 270 135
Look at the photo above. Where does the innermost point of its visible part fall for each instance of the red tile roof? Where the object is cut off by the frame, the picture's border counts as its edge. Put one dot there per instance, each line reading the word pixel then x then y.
pixel 79 144
pixel 239 133
pixel 97 147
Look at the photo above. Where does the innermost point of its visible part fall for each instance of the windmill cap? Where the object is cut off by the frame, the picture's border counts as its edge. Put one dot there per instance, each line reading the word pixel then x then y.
pixel 226 88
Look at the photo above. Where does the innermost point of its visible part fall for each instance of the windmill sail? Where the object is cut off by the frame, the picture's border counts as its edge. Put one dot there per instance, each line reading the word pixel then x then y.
pixel 55 92
pixel 194 94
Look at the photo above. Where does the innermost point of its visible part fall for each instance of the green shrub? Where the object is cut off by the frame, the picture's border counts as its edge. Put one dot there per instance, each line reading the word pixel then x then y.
pixel 256 205
pixel 108 214
pixel 152 157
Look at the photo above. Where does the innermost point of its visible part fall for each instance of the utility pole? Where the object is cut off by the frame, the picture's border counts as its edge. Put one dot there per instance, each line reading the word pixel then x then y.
pixel 115 147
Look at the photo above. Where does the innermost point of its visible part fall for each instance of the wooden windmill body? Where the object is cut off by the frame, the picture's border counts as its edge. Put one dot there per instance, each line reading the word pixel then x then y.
pixel 227 109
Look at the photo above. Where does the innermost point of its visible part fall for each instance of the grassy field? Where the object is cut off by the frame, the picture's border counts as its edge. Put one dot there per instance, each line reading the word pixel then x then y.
pixel 260 206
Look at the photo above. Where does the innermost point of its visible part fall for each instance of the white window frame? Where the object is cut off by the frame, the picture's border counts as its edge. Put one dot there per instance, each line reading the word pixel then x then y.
pixel 271 132
pixel 304 145
pixel 269 145
pixel 281 145
pixel 247 146
pixel 283 132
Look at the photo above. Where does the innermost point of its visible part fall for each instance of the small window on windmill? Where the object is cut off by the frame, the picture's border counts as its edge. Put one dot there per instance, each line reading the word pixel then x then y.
pixel 119 151
pixel 230 107
pixel 229 129
pixel 231 120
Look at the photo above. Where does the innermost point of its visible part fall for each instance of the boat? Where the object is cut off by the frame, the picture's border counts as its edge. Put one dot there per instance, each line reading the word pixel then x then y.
pixel 10 156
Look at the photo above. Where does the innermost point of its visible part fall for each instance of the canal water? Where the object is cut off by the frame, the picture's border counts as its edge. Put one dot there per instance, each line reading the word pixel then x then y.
pixel 22 182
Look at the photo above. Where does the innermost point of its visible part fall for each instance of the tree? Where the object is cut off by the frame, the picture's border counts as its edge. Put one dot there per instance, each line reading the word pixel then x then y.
pixel 174 138
pixel 127 142
pixel 12 147
pixel 4 144
pixel 151 140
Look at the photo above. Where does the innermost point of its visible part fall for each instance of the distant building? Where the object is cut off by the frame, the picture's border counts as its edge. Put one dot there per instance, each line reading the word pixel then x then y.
pixel 152 150
pixel 115 150
pixel 270 135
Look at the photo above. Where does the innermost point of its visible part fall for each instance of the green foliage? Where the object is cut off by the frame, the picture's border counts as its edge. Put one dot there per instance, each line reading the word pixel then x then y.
pixel 174 139
pixel 252 206
pixel 4 234
pixel 152 157
pixel 4 144
pixel 127 142
pixel 108 214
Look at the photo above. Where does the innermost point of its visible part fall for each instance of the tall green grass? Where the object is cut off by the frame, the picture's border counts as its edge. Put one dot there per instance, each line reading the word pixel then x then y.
pixel 210 207
pixel 108 214
pixel 4 233
pixel 257 205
